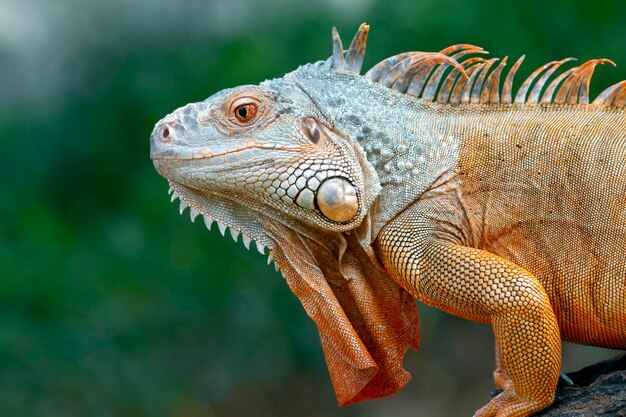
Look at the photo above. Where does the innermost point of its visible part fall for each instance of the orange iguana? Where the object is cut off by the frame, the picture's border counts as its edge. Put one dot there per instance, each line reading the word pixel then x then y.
pixel 428 178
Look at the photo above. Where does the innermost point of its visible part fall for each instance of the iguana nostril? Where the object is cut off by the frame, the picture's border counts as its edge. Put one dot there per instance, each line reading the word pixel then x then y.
pixel 337 199
pixel 165 133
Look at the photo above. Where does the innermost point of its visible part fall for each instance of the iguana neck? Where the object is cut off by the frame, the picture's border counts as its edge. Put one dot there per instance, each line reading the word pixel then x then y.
pixel 407 147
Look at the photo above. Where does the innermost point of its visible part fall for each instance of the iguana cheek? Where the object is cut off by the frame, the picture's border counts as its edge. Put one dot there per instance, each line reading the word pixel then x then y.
pixel 337 199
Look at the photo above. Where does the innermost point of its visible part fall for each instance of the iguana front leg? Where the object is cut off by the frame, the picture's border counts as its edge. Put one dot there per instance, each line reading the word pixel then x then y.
pixel 478 285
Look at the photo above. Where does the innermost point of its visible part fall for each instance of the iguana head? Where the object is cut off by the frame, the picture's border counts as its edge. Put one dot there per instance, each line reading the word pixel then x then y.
pixel 267 149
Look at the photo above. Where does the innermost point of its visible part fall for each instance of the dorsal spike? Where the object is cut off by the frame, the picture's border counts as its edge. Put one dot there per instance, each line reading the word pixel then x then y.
pixel 616 92
pixel 547 96
pixel 356 52
pixel 467 89
pixel 461 46
pixel 382 67
pixel 579 92
pixel 507 87
pixel 435 79
pixel 605 98
pixel 390 76
pixel 446 89
pixel 563 92
pixel 520 97
pixel 574 81
pixel 533 97
pixel 410 71
pixel 619 99
pixel 426 67
pixel 586 79
pixel 480 81
pixel 444 92
pixel 461 83
pixel 419 69
pixel 491 90
pixel 420 78
pixel 338 60
pixel 569 91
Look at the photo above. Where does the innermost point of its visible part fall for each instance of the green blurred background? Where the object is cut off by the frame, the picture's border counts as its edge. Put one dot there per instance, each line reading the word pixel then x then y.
pixel 111 304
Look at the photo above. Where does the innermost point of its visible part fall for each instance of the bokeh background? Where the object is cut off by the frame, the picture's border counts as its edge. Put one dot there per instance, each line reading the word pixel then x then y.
pixel 113 305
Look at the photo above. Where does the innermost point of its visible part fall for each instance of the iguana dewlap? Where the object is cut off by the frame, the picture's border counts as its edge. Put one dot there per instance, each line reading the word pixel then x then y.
pixel 428 177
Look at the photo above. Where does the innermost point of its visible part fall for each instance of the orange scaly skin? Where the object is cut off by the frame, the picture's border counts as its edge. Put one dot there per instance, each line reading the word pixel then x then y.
pixel 527 233
pixel 425 177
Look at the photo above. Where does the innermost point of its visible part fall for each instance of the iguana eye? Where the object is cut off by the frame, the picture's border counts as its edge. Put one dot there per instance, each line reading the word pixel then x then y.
pixel 245 112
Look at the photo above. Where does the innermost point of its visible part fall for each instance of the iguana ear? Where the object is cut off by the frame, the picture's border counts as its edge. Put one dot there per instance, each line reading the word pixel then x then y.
pixel 365 320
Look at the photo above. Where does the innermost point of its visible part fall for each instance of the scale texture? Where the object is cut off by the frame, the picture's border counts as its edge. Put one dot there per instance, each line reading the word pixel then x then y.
pixel 431 177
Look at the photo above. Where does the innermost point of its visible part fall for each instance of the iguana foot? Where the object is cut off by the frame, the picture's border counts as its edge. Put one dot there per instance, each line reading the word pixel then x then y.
pixel 509 404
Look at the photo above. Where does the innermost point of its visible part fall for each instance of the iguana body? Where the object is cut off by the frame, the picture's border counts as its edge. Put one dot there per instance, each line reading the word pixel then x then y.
pixel 422 177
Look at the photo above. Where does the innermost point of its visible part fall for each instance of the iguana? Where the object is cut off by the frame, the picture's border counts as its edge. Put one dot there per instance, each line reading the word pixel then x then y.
pixel 426 177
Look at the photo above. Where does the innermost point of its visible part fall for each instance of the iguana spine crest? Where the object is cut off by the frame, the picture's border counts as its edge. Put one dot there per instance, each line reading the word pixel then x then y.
pixel 423 74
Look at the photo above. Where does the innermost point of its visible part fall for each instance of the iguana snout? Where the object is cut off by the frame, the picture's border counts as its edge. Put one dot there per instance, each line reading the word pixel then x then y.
pixel 202 145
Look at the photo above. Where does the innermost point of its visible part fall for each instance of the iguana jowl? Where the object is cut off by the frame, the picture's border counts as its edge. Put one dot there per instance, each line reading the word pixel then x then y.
pixel 422 179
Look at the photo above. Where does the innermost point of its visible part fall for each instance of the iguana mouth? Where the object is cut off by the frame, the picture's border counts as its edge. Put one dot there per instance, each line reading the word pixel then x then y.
pixel 218 152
